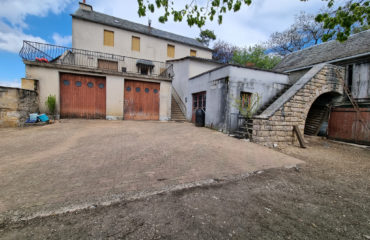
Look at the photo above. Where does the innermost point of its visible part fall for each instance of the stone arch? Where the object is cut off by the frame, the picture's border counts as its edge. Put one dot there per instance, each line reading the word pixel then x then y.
pixel 317 111
pixel 275 124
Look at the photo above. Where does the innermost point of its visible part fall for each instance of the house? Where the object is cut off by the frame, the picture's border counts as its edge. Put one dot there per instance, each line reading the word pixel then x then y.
pixel 116 69
pixel 338 112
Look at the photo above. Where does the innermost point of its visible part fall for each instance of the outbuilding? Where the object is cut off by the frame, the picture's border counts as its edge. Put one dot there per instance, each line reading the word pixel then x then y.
pixel 220 91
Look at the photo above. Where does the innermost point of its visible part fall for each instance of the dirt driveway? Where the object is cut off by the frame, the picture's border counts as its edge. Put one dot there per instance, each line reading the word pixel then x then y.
pixel 75 163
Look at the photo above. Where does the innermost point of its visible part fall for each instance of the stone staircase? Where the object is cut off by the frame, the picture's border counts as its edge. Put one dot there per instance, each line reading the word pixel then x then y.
pixel 283 122
pixel 176 113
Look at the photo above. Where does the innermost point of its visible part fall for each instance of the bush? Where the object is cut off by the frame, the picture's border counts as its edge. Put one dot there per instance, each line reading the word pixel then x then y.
pixel 51 104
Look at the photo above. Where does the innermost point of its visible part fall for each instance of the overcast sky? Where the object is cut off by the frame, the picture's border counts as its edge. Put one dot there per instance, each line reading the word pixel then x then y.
pixel 49 21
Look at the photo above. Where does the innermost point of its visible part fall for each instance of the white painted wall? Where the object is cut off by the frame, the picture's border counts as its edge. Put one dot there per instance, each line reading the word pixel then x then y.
pixel 165 101
pixel 114 97
pixel 48 83
pixel 185 69
pixel 90 36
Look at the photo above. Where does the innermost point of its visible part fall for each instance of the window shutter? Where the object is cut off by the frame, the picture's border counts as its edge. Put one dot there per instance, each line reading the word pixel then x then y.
pixel 170 51
pixel 135 46
pixel 193 53
pixel 108 38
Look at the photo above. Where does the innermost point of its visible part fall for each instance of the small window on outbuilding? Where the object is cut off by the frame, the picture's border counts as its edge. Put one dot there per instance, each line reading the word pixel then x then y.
pixel 245 99
pixel 170 51
pixel 108 38
pixel 193 53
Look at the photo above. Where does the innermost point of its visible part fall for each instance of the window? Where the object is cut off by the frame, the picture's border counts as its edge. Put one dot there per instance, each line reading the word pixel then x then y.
pixel 66 82
pixel 245 99
pixel 135 44
pixel 101 85
pixel 170 51
pixel 108 38
pixel 193 53
pixel 90 84
pixel 78 84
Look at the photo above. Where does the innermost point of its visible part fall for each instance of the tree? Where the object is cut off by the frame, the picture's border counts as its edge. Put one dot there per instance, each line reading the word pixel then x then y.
pixel 223 51
pixel 340 22
pixel 303 33
pixel 206 36
pixel 255 56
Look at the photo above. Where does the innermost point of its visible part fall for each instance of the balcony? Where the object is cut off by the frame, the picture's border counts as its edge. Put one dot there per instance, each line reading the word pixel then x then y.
pixel 52 54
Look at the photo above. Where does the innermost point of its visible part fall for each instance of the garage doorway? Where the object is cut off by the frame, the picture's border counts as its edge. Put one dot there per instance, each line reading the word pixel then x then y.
pixel 82 96
pixel 141 100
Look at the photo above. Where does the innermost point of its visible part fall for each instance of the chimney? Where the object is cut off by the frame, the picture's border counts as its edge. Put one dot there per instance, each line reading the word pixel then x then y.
pixel 85 6
pixel 150 23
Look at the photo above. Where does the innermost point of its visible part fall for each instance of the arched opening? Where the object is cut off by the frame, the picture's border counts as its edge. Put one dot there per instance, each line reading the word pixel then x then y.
pixel 317 117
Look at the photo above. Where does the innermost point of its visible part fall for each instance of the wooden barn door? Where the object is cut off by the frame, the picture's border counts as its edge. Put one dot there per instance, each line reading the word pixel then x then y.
pixel 82 96
pixel 141 100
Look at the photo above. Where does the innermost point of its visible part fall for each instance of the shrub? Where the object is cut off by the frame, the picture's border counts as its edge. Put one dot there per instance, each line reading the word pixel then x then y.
pixel 51 104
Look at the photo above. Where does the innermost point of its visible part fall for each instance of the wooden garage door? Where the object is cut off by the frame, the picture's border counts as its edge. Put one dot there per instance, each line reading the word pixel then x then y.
pixel 141 100
pixel 82 96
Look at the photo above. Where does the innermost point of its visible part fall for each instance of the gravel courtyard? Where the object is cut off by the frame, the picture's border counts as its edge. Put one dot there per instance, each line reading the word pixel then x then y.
pixel 326 198
pixel 77 163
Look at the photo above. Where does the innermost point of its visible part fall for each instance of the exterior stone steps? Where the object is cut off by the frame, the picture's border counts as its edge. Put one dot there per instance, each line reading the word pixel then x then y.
pixel 176 113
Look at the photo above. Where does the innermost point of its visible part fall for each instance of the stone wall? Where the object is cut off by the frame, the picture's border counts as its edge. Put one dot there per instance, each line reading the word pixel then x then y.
pixel 15 106
pixel 275 124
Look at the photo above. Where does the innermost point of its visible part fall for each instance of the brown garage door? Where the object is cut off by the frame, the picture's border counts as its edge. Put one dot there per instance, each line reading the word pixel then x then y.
pixel 82 96
pixel 141 100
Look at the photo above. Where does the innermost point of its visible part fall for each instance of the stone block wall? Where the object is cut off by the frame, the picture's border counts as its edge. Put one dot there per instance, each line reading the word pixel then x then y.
pixel 275 124
pixel 15 106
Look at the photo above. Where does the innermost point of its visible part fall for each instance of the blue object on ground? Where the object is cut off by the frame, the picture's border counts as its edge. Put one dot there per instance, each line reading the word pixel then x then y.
pixel 43 117
pixel 31 121
pixel 33 117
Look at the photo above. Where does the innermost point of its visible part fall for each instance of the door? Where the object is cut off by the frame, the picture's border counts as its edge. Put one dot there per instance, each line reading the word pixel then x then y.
pixel 82 96
pixel 141 100
pixel 199 101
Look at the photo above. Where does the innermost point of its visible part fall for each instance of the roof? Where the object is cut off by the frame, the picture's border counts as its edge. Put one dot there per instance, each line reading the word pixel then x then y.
pixel 355 46
pixel 101 18
pixel 196 59
pixel 239 66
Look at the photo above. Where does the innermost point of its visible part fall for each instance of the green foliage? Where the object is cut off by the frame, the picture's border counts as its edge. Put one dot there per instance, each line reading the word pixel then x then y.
pixel 250 109
pixel 340 21
pixel 192 12
pixel 354 13
pixel 255 56
pixel 206 36
pixel 51 104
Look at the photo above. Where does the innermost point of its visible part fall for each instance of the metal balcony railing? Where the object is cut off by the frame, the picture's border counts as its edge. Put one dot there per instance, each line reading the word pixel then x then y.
pixel 47 53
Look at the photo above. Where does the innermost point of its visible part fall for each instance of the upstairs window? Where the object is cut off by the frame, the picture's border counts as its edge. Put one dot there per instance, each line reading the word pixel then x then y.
pixel 170 51
pixel 108 38
pixel 193 53
pixel 135 44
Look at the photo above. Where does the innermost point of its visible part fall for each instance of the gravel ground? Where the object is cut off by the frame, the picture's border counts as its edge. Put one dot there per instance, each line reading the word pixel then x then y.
pixel 327 198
